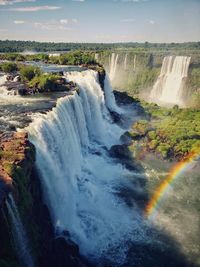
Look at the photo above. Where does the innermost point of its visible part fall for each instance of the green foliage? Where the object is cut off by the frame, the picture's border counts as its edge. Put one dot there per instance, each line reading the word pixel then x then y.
pixel 20 46
pixel 77 58
pixel 27 73
pixel 141 127
pixel 195 78
pixel 22 181
pixel 46 82
pixel 8 167
pixel 8 67
pixel 195 100
pixel 176 132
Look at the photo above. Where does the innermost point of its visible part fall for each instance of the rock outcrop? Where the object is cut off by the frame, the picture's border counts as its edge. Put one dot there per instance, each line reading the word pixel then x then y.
pixel 19 176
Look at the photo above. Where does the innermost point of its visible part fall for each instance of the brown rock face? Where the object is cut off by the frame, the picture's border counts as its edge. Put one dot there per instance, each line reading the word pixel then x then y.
pixel 15 151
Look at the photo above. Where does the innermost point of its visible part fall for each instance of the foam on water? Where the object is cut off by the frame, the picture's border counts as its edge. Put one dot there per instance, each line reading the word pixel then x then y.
pixel 80 182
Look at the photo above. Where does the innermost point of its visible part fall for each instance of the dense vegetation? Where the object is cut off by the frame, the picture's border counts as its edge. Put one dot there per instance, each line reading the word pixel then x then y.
pixel 8 67
pixel 171 133
pixel 35 80
pixel 70 58
pixel 20 46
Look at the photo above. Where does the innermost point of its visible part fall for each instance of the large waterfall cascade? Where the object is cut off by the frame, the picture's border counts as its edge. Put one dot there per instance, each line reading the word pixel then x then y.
pixel 169 87
pixel 80 181
pixel 19 235
pixel 113 65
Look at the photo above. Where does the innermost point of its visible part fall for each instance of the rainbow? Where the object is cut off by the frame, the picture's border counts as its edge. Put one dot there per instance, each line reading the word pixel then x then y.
pixel 163 188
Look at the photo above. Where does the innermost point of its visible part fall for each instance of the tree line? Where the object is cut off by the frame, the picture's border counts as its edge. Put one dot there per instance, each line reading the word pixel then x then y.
pixel 21 46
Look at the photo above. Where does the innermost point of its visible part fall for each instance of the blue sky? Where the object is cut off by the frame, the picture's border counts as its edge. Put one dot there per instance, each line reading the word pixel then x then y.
pixel 100 20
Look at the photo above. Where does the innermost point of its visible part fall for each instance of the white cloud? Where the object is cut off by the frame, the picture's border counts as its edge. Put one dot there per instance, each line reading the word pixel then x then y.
pixel 11 2
pixel 127 20
pixel 19 21
pixel 64 21
pixel 78 0
pixel 33 8
pixel 74 20
pixel 62 24
pixel 134 1
pixel 152 22
pixel 68 21
pixel 53 25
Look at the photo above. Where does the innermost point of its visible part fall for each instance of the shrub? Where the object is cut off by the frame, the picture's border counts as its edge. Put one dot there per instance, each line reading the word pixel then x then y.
pixel 45 82
pixel 8 67
pixel 29 72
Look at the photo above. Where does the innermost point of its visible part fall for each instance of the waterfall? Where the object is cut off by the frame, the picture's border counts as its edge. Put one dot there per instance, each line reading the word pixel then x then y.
pixel 125 61
pixel 79 180
pixel 134 62
pixel 96 56
pixel 19 235
pixel 113 65
pixel 3 90
pixel 109 97
pixel 169 87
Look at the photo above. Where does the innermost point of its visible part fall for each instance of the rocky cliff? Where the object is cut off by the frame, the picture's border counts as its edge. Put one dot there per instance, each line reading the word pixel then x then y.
pixel 19 176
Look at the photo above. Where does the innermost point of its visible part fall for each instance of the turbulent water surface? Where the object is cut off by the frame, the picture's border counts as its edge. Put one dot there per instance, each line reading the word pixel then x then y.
pixel 89 194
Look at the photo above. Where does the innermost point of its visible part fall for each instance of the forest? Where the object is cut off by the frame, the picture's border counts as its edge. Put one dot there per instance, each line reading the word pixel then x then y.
pixel 21 46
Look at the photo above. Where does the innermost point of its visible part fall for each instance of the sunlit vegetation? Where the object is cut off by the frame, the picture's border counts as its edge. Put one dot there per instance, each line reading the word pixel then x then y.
pixel 8 67
pixel 27 73
pixel 70 58
pixel 47 83
pixel 169 132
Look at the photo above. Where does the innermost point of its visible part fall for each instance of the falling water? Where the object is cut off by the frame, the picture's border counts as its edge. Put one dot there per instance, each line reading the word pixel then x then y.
pixel 109 97
pixel 96 56
pixel 18 233
pixel 3 90
pixel 113 65
pixel 79 179
pixel 169 87
pixel 134 62
pixel 125 61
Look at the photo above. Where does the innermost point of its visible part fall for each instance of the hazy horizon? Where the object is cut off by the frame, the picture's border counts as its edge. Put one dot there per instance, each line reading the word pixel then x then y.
pixel 105 21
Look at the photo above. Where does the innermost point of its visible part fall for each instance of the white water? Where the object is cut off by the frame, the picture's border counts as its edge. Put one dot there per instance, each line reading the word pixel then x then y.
pixel 19 235
pixel 96 56
pixel 134 62
pixel 109 97
pixel 79 180
pixel 125 61
pixel 169 87
pixel 3 90
pixel 113 66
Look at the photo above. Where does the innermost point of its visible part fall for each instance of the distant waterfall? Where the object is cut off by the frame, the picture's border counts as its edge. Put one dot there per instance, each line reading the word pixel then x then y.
pixel 96 56
pixel 19 234
pixel 125 61
pixel 134 62
pixel 3 90
pixel 170 83
pixel 80 182
pixel 113 65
